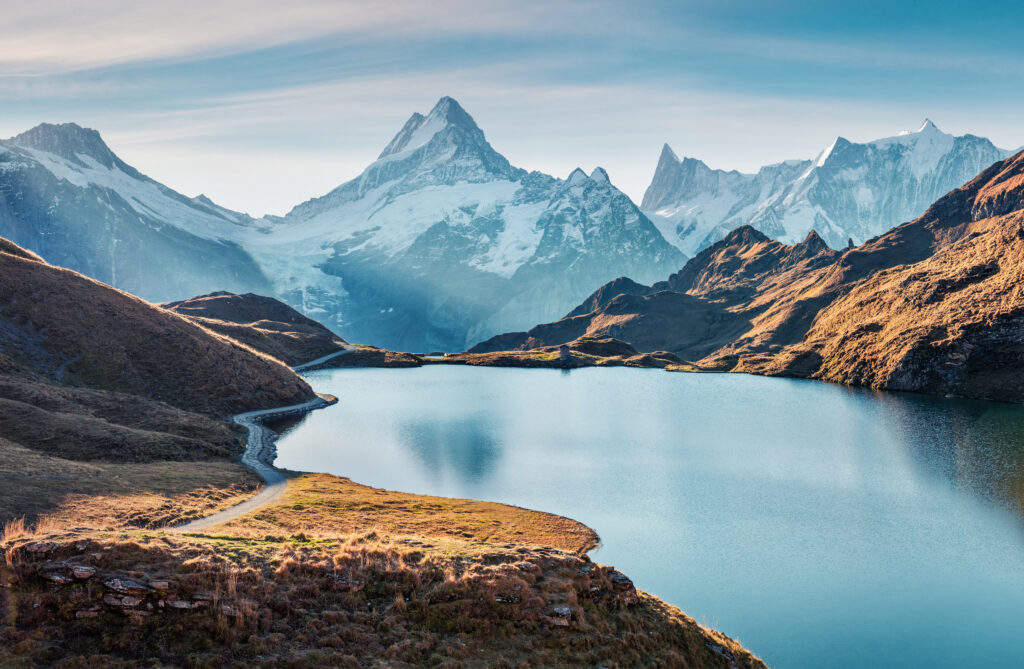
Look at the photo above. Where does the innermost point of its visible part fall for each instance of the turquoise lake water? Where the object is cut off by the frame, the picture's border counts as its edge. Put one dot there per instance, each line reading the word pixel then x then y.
pixel 820 526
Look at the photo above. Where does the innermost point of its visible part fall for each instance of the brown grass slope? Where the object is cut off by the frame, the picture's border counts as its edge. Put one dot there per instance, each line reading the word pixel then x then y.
pixel 933 305
pixel 75 331
pixel 111 409
pixel 370 600
pixel 949 323
pixel 262 323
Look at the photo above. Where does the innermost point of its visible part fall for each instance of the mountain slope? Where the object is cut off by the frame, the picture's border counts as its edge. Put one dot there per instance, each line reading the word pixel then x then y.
pixel 261 323
pixel 850 191
pixel 57 326
pixel 66 196
pixel 934 305
pixel 441 241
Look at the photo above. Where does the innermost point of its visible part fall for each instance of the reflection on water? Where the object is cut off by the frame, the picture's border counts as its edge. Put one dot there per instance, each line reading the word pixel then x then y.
pixel 822 526
pixel 285 424
pixel 977 446
pixel 468 449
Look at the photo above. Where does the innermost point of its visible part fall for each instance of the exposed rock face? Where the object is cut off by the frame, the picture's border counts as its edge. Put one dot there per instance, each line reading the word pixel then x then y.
pixel 850 191
pixel 65 195
pixel 263 323
pixel 934 305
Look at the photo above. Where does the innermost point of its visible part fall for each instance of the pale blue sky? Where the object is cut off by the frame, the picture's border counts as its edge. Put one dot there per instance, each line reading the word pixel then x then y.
pixel 264 104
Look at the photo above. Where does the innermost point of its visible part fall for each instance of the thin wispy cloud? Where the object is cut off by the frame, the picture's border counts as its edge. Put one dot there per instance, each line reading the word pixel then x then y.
pixel 248 87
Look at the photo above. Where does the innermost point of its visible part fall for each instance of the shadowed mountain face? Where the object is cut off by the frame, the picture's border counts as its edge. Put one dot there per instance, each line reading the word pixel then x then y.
pixel 66 196
pixel 933 305
pixel 851 191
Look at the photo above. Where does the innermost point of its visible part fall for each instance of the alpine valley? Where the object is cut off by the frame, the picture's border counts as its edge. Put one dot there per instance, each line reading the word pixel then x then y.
pixel 441 242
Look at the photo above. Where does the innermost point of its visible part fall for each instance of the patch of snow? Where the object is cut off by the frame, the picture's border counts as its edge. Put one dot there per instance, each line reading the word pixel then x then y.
pixel 823 156
pixel 516 243
pixel 144 196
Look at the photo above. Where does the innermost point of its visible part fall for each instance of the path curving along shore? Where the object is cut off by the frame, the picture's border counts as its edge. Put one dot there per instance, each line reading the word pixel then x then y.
pixel 259 453
pixel 312 364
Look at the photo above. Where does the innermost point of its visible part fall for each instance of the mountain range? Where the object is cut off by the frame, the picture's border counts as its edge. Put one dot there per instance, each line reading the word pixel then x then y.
pixel 65 195
pixel 933 305
pixel 438 243
pixel 849 193
pixel 441 242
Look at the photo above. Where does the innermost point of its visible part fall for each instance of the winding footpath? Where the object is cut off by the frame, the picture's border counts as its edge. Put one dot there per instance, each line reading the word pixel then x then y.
pixel 259 453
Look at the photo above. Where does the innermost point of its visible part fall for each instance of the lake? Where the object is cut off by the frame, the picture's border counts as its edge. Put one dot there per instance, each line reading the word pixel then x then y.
pixel 821 526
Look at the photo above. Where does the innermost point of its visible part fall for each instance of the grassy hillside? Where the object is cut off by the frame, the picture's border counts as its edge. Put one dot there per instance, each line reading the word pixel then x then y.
pixel 71 330
pixel 261 323
pixel 113 430
pixel 338 574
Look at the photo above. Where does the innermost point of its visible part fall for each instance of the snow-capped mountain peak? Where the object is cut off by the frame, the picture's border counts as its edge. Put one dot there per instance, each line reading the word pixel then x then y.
pixel 927 126
pixel 69 141
pixel 78 205
pixel 850 190
pixel 576 178
pixel 454 243
pixel 420 130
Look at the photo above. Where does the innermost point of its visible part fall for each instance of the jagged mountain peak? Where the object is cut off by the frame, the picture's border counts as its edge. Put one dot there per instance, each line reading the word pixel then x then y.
pixel 600 175
pixel 814 241
pixel 67 140
pixel 419 130
pixel 928 126
pixel 668 154
pixel 850 190
pixel 576 178
pixel 837 145
pixel 744 235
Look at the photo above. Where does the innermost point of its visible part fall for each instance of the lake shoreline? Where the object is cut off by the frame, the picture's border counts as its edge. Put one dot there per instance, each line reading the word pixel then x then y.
pixel 451 432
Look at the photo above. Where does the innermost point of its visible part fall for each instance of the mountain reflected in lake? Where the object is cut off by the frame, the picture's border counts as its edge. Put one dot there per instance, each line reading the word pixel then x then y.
pixel 468 449
pixel 807 520
pixel 977 446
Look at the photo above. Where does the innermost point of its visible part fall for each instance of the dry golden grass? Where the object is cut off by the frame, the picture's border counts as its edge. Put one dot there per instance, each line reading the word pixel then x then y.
pixel 361 602
pixel 52 318
pixel 105 495
pixel 371 356
pixel 549 358
pixel 261 323
pixel 325 506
